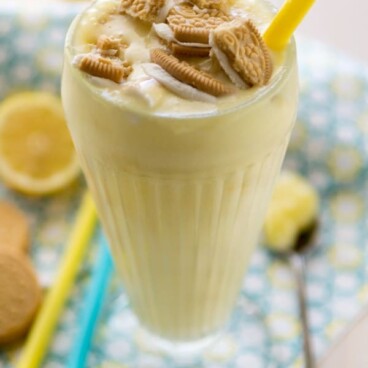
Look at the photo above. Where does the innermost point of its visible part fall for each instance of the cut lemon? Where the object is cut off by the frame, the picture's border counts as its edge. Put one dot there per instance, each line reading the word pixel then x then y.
pixel 36 152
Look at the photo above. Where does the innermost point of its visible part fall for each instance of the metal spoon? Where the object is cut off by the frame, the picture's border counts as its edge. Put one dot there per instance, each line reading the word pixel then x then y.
pixel 296 258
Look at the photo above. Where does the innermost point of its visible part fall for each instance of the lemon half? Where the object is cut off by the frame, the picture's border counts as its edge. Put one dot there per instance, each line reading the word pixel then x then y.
pixel 37 155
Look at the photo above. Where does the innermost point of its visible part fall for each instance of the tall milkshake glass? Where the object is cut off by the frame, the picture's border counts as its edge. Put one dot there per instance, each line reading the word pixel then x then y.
pixel 181 196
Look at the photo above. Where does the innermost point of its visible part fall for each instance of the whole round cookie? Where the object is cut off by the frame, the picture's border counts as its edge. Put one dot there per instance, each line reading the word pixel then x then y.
pixel 14 227
pixel 20 295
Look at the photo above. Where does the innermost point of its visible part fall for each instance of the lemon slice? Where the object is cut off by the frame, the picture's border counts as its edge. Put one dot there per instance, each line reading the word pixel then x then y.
pixel 36 152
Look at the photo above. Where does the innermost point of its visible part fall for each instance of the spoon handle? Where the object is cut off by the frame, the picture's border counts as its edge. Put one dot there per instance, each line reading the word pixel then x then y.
pixel 298 267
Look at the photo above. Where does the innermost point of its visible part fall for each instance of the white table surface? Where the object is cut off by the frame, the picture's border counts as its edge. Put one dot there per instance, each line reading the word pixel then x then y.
pixel 350 350
pixel 342 24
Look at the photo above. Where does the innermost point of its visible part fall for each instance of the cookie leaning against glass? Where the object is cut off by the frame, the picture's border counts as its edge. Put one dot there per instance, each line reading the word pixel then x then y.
pixel 20 295
pixel 20 292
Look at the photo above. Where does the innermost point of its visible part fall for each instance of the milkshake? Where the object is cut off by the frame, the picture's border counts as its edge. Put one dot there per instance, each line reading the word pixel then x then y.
pixel 180 139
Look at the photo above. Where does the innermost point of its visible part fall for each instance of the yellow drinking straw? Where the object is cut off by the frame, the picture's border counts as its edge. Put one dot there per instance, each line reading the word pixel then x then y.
pixel 285 22
pixel 43 327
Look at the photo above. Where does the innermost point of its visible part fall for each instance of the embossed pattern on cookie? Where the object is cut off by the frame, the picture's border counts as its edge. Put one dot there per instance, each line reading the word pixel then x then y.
pixel 103 67
pixel 189 75
pixel 145 10
pixel 191 24
pixel 247 54
pixel 211 4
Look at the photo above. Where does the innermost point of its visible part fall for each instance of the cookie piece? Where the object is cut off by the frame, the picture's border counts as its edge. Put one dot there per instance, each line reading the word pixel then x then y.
pixel 111 46
pixel 192 24
pixel 104 67
pixel 211 4
pixel 182 50
pixel 178 48
pixel 180 89
pixel 14 228
pixel 187 74
pixel 145 10
pixel 20 295
pixel 239 46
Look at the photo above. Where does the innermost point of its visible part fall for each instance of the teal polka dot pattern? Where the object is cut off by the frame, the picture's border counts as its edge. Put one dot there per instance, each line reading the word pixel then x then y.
pixel 328 146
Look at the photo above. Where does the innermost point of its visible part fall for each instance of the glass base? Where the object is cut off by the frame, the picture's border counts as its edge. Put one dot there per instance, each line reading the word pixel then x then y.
pixel 180 351
pixel 243 343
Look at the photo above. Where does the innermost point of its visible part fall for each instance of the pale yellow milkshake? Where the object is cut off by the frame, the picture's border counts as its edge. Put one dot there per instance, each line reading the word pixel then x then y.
pixel 181 184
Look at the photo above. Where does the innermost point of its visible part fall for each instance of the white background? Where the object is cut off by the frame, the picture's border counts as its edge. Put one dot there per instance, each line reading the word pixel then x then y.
pixel 340 23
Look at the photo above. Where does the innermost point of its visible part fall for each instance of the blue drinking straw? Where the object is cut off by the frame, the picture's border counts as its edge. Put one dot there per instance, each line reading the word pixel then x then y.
pixel 92 306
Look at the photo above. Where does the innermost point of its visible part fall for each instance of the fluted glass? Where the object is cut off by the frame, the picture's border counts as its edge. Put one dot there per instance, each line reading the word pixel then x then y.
pixel 181 198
